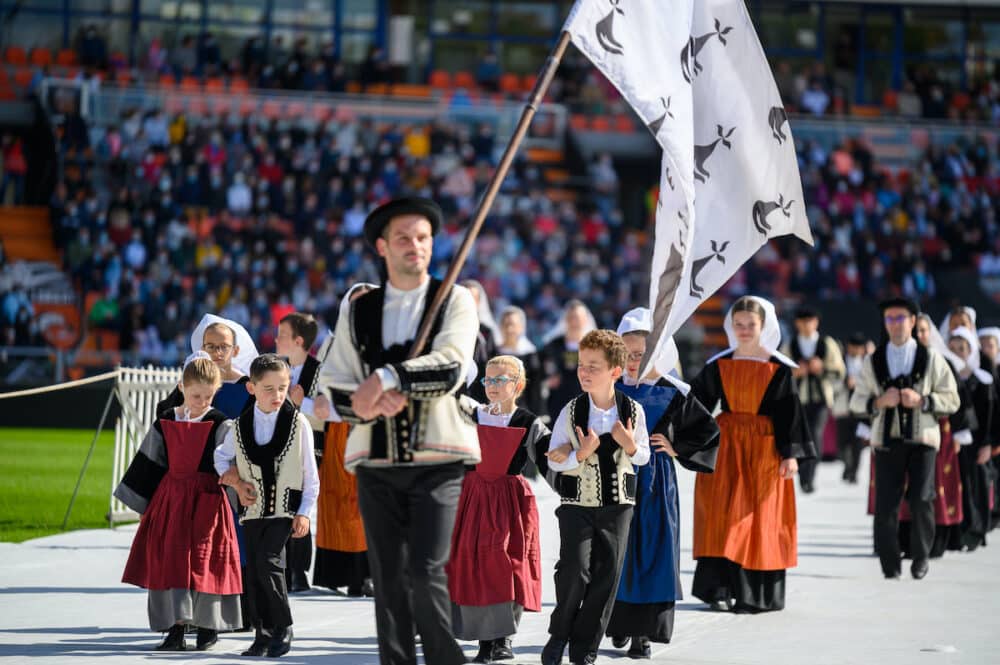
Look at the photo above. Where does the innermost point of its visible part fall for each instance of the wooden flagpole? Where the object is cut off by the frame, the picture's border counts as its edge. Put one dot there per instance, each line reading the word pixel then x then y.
pixel 537 95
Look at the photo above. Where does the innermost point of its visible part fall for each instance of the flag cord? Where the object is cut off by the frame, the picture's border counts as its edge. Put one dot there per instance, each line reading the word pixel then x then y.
pixel 527 114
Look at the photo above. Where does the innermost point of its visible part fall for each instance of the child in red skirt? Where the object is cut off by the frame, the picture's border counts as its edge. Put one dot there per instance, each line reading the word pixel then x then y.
pixel 494 572
pixel 185 551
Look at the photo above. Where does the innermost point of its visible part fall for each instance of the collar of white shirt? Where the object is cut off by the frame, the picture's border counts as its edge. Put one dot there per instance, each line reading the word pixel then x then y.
pixel 392 293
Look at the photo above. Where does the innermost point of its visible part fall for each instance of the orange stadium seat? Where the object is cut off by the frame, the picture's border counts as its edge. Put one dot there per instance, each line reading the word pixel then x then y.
pixel 600 123
pixel 41 57
pixel 23 76
pixel 190 84
pixel 440 79
pixel 410 90
pixel 215 84
pixel 623 124
pixel 16 55
pixel 321 112
pixel 528 82
pixel 579 122
pixel 239 85
pixel 167 81
pixel 464 80
pixel 510 83
pixel 66 57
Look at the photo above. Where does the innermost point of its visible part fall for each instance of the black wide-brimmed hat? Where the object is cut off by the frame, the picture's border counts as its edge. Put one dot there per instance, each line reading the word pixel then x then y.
pixel 409 205
pixel 900 301
pixel 806 312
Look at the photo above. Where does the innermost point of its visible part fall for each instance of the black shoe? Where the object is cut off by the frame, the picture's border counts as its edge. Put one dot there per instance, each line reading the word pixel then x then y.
pixel 207 638
pixel 919 569
pixel 620 641
pixel 355 591
pixel 367 589
pixel 552 652
pixel 808 488
pixel 503 649
pixel 640 648
pixel 891 574
pixel 259 646
pixel 174 641
pixel 485 654
pixel 281 642
pixel 589 659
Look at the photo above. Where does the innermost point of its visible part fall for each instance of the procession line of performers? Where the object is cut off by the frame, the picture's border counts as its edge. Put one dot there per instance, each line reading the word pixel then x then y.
pixel 610 456
pixel 421 487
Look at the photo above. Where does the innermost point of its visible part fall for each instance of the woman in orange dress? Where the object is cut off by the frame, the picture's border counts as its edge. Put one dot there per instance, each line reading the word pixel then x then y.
pixel 341 550
pixel 745 533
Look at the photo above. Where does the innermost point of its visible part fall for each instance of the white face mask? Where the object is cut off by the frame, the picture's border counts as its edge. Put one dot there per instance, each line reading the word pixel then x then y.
pixel 854 365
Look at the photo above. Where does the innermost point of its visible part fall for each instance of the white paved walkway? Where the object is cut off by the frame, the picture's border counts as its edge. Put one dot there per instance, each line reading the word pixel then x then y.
pixel 61 601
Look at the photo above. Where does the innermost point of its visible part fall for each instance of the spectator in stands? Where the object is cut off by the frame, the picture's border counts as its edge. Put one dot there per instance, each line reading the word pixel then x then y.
pixel 239 198
pixel 908 103
pixel 488 72
pixel 15 169
pixel 815 99
pixel 92 50
pixel 375 68
pixel 210 55
pixel 105 313
pixel 918 284
pixel 185 57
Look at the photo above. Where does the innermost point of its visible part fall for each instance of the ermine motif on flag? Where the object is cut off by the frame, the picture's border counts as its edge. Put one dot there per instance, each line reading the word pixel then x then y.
pixel 689 54
pixel 605 31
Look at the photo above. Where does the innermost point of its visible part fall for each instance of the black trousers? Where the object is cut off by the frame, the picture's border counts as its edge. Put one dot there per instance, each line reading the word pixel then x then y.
pixel 409 514
pixel 592 544
pixel 849 446
pixel 816 417
pixel 298 557
pixel 975 497
pixel 266 594
pixel 892 467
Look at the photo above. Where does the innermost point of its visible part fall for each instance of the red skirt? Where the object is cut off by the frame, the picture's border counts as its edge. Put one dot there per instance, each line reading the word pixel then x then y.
pixel 186 539
pixel 495 551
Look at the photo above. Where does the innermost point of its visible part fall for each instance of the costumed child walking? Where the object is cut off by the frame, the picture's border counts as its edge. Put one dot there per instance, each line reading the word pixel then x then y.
pixel 597 441
pixel 185 550
pixel 494 571
pixel 679 427
pixel 297 332
pixel 268 457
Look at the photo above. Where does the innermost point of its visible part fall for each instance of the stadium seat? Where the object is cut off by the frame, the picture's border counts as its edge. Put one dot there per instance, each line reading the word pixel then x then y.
pixel 4 76
pixel 40 57
pixel 600 123
pixel 579 122
pixel 377 89
pixel 66 57
pixel 215 84
pixel 624 124
pixel 15 55
pixel 528 82
pixel 440 79
pixel 239 85
pixel 890 100
pixel 271 109
pixel 410 90
pixel 23 76
pixel 353 87
pixel 510 83
pixel 464 80
pixel 190 84
pixel 321 112
pixel 167 81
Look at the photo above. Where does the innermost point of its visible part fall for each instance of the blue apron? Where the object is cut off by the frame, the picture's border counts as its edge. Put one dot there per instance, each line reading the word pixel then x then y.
pixel 651 573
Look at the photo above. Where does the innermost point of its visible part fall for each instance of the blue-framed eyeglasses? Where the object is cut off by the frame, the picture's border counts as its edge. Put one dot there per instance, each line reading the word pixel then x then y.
pixel 500 381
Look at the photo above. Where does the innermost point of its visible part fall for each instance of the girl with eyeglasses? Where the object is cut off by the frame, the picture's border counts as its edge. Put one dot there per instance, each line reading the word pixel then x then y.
pixel 495 541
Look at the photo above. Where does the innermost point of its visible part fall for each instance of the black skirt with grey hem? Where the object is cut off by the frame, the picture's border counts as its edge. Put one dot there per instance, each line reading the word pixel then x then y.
pixel 748 591
pixel 652 620
pixel 333 568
